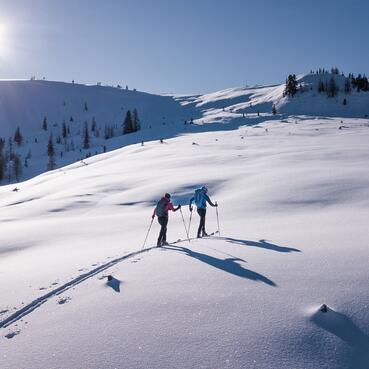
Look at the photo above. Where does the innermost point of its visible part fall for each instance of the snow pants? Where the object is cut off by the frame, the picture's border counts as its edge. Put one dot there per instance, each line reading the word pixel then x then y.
pixel 201 230
pixel 163 221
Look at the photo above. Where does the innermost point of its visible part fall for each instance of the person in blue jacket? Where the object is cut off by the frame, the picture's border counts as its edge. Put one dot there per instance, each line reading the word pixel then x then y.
pixel 200 199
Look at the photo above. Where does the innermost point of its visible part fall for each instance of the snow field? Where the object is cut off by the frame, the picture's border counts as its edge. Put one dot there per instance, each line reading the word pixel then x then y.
pixel 293 206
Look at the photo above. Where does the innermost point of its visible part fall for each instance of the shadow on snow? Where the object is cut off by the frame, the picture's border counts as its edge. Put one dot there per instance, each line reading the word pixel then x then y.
pixel 344 328
pixel 261 243
pixel 229 265
pixel 114 283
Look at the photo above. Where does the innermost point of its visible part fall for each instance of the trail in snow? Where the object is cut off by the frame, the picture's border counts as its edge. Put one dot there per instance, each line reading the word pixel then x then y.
pixel 19 314
pixel 81 278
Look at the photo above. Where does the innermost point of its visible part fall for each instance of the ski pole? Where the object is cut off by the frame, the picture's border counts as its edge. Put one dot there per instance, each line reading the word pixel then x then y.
pixel 189 223
pixel 184 225
pixel 147 234
pixel 217 219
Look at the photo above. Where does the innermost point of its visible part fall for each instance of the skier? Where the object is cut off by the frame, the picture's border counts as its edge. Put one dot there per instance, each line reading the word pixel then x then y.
pixel 201 198
pixel 161 211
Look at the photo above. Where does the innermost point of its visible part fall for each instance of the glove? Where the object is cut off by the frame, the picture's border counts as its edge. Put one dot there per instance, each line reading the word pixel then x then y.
pixel 153 216
pixel 216 204
pixel 179 206
pixel 191 208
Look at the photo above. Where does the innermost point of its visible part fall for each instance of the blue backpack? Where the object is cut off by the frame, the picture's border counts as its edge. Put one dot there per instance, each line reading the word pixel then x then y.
pixel 200 199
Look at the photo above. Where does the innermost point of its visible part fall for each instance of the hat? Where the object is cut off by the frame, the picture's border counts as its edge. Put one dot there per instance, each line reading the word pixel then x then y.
pixel 167 195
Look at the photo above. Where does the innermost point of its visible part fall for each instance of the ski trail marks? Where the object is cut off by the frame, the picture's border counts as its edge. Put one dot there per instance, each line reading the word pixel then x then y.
pixel 27 309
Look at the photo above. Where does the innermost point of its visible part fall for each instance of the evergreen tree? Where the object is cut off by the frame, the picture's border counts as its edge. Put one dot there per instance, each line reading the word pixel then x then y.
pixel 86 137
pixel 71 119
pixel 136 121
pixel 335 70
pixel 17 167
pixel 360 83
pixel 44 124
pixel 365 84
pixel 291 86
pixel 18 138
pixel 50 154
pixel 321 87
pixel 106 132
pixel 347 87
pixel 344 101
pixel 27 158
pixel 10 150
pixel 9 160
pixel 332 88
pixel 93 125
pixel 109 132
pixel 274 109
pixel 128 124
pixel 64 130
pixel 85 107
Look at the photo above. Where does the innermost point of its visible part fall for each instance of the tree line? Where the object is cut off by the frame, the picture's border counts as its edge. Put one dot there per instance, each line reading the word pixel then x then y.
pixel 12 164
pixel 328 86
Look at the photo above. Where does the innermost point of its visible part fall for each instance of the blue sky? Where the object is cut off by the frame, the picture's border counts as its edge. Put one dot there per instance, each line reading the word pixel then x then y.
pixel 180 46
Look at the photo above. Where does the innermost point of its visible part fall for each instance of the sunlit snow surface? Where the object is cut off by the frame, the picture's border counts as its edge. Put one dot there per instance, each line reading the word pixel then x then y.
pixel 293 204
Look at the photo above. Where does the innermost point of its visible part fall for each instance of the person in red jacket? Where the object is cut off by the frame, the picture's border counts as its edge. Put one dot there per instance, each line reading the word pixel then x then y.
pixel 161 211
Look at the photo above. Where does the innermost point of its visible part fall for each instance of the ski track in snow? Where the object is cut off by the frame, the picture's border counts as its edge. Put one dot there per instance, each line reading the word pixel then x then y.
pixel 29 308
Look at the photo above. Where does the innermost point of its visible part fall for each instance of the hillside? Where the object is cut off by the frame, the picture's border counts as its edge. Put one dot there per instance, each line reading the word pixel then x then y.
pixel 25 104
pixel 293 207
pixel 246 102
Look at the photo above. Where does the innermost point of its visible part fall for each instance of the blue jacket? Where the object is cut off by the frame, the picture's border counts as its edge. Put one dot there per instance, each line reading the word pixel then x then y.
pixel 200 198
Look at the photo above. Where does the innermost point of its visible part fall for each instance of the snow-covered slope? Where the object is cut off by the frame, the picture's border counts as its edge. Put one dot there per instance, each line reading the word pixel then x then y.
pixel 26 103
pixel 244 103
pixel 293 206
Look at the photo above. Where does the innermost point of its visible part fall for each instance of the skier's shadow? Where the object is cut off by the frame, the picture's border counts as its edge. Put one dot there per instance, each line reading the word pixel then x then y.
pixel 343 327
pixel 261 243
pixel 229 265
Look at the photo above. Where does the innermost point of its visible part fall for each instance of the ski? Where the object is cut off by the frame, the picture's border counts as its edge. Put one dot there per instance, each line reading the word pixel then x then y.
pixel 193 238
